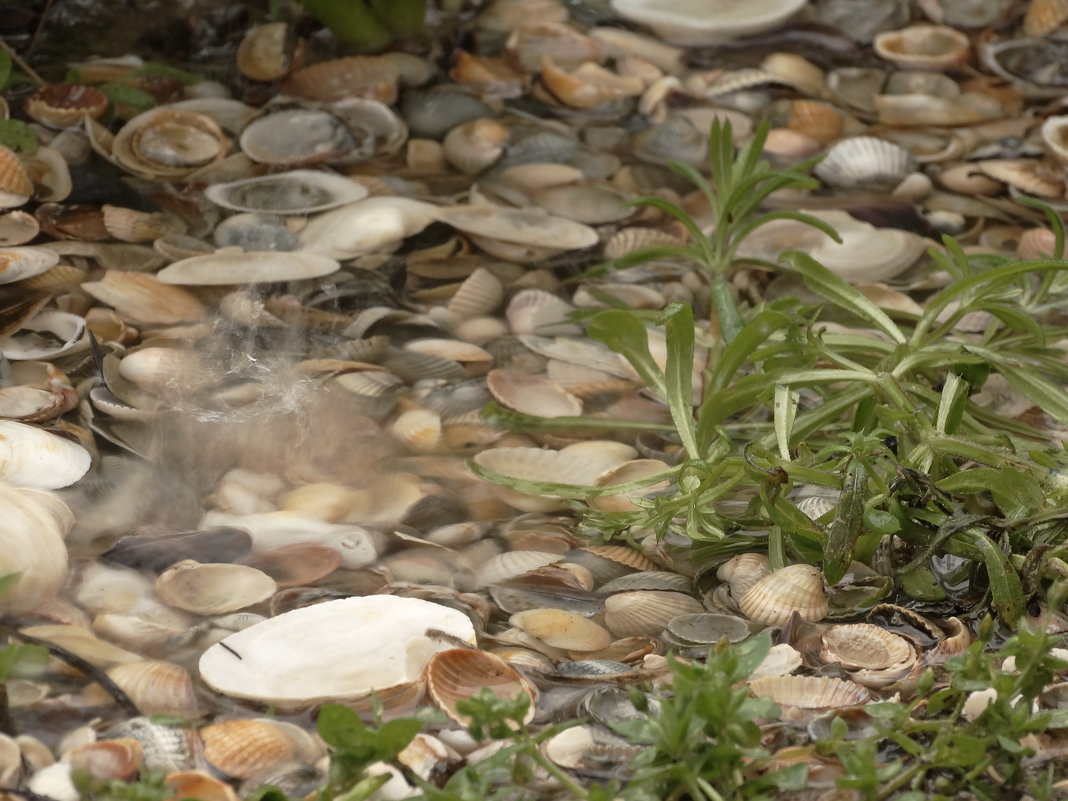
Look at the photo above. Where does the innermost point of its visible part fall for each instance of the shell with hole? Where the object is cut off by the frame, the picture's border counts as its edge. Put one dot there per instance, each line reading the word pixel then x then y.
pixel 280 660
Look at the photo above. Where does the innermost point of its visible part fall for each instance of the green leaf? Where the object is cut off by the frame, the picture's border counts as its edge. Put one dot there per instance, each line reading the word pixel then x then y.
pixel 1005 586
pixel 794 777
pixel 625 333
pixel 828 285
pixel 750 654
pixel 951 404
pixel 1049 397
pixel 393 737
pixel 154 68
pixel 121 94
pixel 17 135
pixel 847 524
pixel 499 417
pixel 753 334
pixel 342 728
pixel 8 582
pixel 785 411
pixel 364 788
pixel 677 320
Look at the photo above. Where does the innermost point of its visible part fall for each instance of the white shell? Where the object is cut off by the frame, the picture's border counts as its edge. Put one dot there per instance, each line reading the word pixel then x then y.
pixel 865 162
pixel 31 543
pixel 373 224
pixel 275 529
pixel 296 136
pixel 333 651
pixel 294 192
pixel 684 22
pixel 19 263
pixel 246 268
pixel 213 589
pixel 25 344
pixel 35 459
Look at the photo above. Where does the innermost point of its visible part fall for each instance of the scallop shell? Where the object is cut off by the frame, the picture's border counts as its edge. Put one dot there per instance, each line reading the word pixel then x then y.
pixel 865 162
pixel 561 629
pixel 293 192
pixel 810 692
pixel 419 430
pixel 213 589
pixel 15 184
pixel 252 267
pixel 157 688
pixel 647 580
pixel 199 785
pixel 629 614
pixel 1044 17
pixel 923 47
pixel 535 311
pixel 795 588
pixel 244 748
pixel 61 105
pixel 281 659
pixel 143 298
pixel 532 394
pixel 461 673
pixel 511 564
pixel 1036 243
pixel 818 120
pixel 107 759
pixel 480 294
pixel 863 645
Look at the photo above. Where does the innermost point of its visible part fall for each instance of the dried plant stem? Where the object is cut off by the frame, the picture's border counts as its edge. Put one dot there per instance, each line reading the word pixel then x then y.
pixel 22 65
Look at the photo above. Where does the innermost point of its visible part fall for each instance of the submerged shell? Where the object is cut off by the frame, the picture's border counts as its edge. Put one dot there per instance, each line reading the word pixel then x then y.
pixel 559 628
pixel 213 588
pixel 795 588
pixel 296 136
pixel 685 23
pixel 17 264
pixel 293 192
pixel 629 614
pixel 280 661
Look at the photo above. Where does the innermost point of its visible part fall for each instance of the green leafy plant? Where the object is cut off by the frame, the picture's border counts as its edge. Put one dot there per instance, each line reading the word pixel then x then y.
pixel 370 24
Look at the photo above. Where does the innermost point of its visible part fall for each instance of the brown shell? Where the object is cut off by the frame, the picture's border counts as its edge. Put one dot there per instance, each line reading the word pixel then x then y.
pixel 818 120
pixel 245 747
pixel 298 564
pixel 795 588
pixel 559 628
pixel 354 76
pixel 1044 16
pixel 460 673
pixel 157 688
pixel 263 54
pixel 199 785
pixel 61 105
pixel 107 759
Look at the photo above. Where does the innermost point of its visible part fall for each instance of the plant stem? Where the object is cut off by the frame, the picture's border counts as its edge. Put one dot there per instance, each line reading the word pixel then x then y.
pixel 351 21
pixel 572 786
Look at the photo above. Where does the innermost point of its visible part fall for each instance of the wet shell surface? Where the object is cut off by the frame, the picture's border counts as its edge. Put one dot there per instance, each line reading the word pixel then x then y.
pixel 280 660
pixel 559 628
pixel 460 673
pixel 293 192
pixel 777 596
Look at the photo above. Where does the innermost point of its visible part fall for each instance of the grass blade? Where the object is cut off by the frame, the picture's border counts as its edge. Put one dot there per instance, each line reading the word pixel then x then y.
pixel 678 372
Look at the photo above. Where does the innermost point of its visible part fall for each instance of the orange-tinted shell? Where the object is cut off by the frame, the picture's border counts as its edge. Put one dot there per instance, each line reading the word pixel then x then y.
pixel 795 588
pixel 107 759
pixel 460 673
pixel 243 747
pixel 14 180
pixel 61 105
pixel 354 76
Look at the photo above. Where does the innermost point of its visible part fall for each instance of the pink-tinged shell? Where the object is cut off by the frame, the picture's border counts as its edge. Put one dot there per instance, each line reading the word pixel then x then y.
pixel 810 692
pixel 157 688
pixel 795 588
pixel 297 565
pixel 646 612
pixel 460 673
pixel 561 629
pixel 105 760
pixel 1036 243
pixel 199 785
pixel 246 747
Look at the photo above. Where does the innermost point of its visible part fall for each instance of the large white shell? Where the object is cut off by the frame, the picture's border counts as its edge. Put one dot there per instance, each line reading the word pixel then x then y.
pixel 31 543
pixel 252 267
pixel 35 459
pixel 333 651
pixel 685 22
pixel 293 192
pixel 374 224
pixel 19 263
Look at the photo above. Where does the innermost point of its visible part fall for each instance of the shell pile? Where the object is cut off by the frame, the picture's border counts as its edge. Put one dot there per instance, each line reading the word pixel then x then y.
pixel 248 333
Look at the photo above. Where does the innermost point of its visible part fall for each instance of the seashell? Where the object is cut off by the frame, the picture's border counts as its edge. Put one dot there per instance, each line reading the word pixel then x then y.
pixel 535 311
pixel 296 136
pixel 431 113
pixel 1032 65
pixel 647 580
pixel 16 187
pixel 199 785
pixel 676 138
pixel 1027 175
pixel 924 109
pixel 923 47
pixel 297 565
pixel 865 162
pixel 296 779
pixel 856 87
pixel 32 536
pixel 35 459
pixel 61 105
pixel 685 24
pixel 82 642
pixel 475 145
pixel 956 641
pixel 213 588
pixel 567 47
pixel 460 673
pixel 138 226
pixel 815 506
pixel 810 692
pixel 629 614
pixel 1044 16
pixel 742 571
pixel 18 264
pixel 620 43
pixel 281 659
pixel 229 267
pixel 419 430
pixel 520 226
pixel 54 782
pixel 293 192
pixel 630 471
pixel 143 298
pixel 818 120
pixel 777 596
pixel 862 645
pixel 781 660
pixel 587 85
pixel 1036 243
pixel 244 748
pixel 157 688
pixel 706 628
pixel 965 13
pixel 796 71
pixel 531 394
pixel 374 77
pixel 559 628
pixel 1055 135
pixel 166 747
pixel 264 53
pixel 480 294
pixel 589 204
pixel 17 228
pixel 253 232
pixel 373 224
pixel 504 16
pixel 107 759
pixel 168 143
pixel 629 240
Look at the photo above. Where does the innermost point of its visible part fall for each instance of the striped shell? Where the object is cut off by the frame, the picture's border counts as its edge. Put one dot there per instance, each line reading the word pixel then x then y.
pixel 795 588
pixel 865 162
pixel 630 614
pixel 461 673
pixel 810 692
pixel 559 628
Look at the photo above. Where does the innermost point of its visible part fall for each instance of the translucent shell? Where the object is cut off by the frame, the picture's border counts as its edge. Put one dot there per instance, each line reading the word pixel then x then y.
pixel 460 673
pixel 795 588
